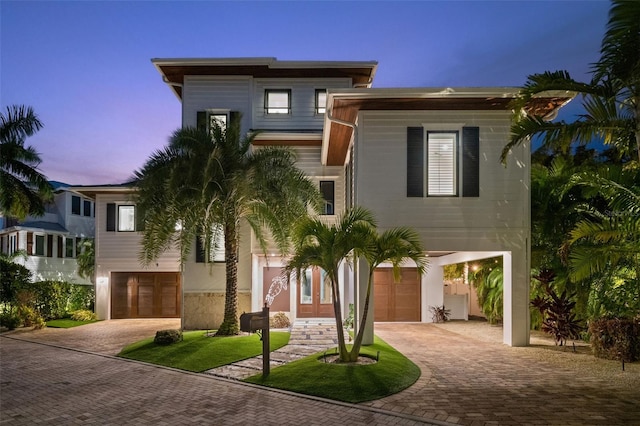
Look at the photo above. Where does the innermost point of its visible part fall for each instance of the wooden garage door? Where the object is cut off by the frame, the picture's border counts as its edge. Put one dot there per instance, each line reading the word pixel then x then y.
pixel 396 301
pixel 145 295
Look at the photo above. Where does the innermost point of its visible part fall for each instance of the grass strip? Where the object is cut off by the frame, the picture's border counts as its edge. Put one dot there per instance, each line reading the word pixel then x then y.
pixel 197 352
pixel 343 382
pixel 67 323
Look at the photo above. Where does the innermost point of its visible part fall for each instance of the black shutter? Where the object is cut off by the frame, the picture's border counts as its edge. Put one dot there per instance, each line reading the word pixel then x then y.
pixel 201 121
pixel 415 162
pixel 139 219
pixel 200 253
pixel 111 217
pixel 470 161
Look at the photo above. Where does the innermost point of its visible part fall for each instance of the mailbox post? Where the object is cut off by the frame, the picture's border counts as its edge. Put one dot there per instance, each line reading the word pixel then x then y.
pixel 259 321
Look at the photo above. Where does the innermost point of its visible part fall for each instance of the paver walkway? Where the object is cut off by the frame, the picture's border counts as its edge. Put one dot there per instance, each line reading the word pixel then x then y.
pixel 307 337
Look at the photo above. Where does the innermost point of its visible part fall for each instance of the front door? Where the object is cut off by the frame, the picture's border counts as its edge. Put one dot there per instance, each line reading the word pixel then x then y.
pixel 314 295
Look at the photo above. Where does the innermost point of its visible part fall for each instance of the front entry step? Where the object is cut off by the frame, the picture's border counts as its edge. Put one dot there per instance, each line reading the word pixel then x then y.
pixel 314 332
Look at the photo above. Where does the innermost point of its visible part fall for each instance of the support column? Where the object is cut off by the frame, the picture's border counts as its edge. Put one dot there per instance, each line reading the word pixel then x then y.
pixel 516 298
pixel 432 290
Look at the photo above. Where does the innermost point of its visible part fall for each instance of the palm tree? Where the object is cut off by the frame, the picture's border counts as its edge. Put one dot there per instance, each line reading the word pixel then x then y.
pixel 611 99
pixel 204 184
pixel 23 190
pixel 608 242
pixel 86 259
pixel 395 246
pixel 318 244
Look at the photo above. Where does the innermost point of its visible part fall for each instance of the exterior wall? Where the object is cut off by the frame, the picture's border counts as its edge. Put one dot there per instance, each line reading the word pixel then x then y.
pixel 216 92
pixel 205 311
pixel 119 252
pixel 303 115
pixel 496 221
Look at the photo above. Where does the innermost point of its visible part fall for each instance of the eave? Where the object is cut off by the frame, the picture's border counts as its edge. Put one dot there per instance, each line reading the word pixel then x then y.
pixel 173 70
pixel 345 105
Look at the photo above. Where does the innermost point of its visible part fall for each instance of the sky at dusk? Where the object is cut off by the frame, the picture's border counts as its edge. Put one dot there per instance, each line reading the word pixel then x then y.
pixel 85 66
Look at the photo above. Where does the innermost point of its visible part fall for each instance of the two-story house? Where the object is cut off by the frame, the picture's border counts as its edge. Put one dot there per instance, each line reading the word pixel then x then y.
pixel 51 243
pixel 425 158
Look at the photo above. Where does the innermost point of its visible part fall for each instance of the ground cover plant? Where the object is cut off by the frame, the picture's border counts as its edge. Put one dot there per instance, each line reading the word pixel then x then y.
pixel 347 382
pixel 198 352
pixel 67 323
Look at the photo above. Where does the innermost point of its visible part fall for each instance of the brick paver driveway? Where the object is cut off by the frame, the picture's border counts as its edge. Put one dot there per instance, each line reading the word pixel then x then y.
pixel 474 382
pixel 465 380
pixel 45 384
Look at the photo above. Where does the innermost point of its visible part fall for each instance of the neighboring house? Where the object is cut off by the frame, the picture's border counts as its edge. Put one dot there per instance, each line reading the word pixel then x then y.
pixel 52 241
pixel 424 158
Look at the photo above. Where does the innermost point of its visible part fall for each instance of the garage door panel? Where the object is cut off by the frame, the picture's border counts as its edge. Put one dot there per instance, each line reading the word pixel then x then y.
pixel 145 295
pixel 397 301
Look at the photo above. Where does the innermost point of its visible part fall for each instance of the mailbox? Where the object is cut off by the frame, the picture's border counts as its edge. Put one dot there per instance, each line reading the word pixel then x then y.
pixel 253 321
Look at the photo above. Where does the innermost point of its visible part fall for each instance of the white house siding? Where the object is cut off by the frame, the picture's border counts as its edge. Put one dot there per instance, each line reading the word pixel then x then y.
pixel 202 93
pixel 497 220
pixel 120 252
pixel 204 287
pixel 303 91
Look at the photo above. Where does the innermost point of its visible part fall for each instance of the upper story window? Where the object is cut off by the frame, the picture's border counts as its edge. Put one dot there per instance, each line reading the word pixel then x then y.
pixel 123 217
pixel 443 162
pixel 86 208
pixel 327 189
pixel 75 204
pixel 126 218
pixel 277 101
pixel 321 101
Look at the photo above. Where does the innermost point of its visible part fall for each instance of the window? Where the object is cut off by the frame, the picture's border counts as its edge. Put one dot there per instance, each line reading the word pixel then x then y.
pixel 327 189
pixel 86 208
pixel 68 247
pixel 126 218
pixel 216 248
pixel 39 245
pixel 277 101
pixel 75 204
pixel 443 162
pixel 321 101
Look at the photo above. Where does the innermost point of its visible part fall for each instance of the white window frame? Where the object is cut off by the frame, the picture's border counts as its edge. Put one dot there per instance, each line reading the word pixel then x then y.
pixel 443 129
pixel 212 114
pixel 320 107
pixel 119 218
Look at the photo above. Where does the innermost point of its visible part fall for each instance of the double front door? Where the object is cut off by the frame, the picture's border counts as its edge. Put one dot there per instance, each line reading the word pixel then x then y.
pixel 314 294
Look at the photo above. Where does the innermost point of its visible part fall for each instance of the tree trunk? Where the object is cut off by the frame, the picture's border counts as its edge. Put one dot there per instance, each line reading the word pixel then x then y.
pixel 337 311
pixel 357 344
pixel 230 324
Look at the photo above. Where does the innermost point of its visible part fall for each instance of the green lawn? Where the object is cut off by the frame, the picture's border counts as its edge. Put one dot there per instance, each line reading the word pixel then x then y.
pixel 198 353
pixel 350 383
pixel 67 323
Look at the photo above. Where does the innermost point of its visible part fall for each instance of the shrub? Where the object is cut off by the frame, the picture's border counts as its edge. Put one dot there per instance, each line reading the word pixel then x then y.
pixel 616 338
pixel 439 313
pixel 559 320
pixel 83 315
pixel 348 321
pixel 10 320
pixel 167 337
pixel 81 297
pixel 279 320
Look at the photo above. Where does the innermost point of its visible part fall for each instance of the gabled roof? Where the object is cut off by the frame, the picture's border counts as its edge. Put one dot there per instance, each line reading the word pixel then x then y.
pixel 41 225
pixel 343 106
pixel 173 70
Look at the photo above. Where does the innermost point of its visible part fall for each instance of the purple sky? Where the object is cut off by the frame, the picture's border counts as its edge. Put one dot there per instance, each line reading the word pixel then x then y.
pixel 84 66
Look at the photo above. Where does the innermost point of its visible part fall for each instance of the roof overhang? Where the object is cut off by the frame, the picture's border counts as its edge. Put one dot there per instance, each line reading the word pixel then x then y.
pixel 344 105
pixel 173 70
pixel 93 191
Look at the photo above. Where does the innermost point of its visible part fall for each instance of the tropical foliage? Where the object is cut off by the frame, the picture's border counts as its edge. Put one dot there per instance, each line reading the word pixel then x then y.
pixel 585 206
pixel 23 189
pixel 354 236
pixel 206 184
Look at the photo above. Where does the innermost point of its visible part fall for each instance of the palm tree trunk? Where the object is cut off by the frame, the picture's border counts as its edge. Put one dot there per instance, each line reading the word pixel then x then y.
pixel 337 310
pixel 357 344
pixel 229 324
